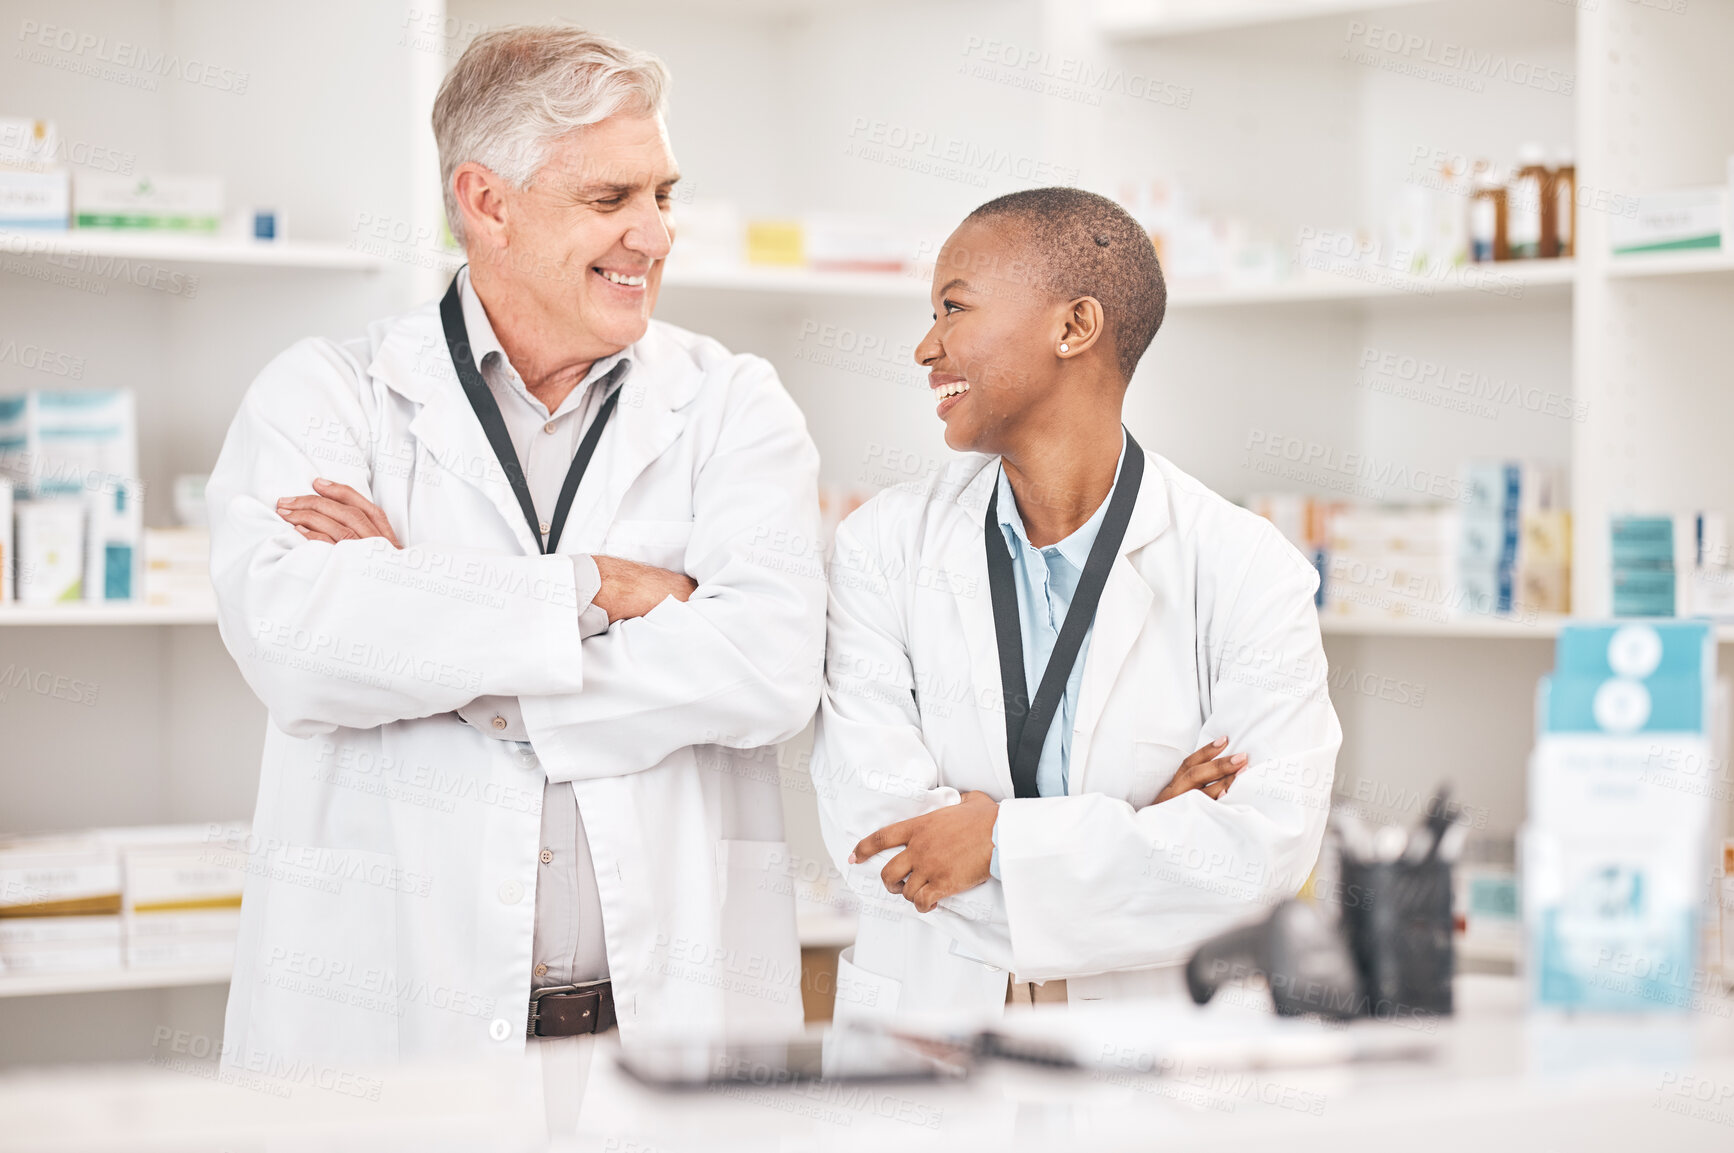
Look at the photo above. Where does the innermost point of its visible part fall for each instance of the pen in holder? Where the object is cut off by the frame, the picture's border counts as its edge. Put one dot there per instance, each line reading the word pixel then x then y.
pixel 1388 952
pixel 1397 918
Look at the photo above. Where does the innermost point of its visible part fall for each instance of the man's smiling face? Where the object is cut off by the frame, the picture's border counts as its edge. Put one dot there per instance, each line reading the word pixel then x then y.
pixel 587 239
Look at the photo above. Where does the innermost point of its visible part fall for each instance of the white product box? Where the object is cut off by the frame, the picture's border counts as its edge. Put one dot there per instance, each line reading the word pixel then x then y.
pixel 175 952
pixel 59 876
pixel 50 542
pixel 6 564
pixel 156 203
pixel 35 200
pixel 183 879
pixel 177 567
pixel 19 932
pixel 1682 218
pixel 1727 901
pixel 27 143
pixel 64 957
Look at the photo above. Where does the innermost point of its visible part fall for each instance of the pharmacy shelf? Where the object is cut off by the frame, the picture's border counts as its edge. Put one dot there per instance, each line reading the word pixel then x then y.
pixel 798 281
pixel 1494 283
pixel 816 931
pixel 110 980
pixel 1472 628
pixel 1707 262
pixel 1131 20
pixel 1457 628
pixel 186 250
pixel 97 613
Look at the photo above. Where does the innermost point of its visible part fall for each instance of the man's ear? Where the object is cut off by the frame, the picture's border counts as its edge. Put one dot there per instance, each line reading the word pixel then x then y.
pixel 480 194
pixel 1084 325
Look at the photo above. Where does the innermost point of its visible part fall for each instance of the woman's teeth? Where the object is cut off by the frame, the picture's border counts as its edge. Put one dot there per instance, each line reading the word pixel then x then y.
pixel 955 388
pixel 617 278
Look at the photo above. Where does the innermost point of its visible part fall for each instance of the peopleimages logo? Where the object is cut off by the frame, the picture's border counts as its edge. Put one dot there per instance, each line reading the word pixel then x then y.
pixel 1448 62
pixel 120 60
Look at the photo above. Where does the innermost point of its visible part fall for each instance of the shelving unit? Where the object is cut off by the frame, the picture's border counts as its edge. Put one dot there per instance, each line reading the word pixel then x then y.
pixel 105 615
pixel 190 250
pixel 111 980
pixel 1497 285
pixel 1132 21
pixel 163 728
pixel 1667 264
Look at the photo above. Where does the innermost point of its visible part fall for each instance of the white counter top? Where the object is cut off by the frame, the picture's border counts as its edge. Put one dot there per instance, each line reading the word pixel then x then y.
pixel 1499 1079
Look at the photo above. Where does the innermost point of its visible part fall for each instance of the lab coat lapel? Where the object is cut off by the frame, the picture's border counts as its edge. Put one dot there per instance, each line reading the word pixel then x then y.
pixel 966 561
pixel 1121 615
pixel 645 423
pixel 413 362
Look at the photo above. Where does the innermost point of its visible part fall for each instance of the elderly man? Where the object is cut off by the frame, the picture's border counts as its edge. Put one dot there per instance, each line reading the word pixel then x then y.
pixel 499 570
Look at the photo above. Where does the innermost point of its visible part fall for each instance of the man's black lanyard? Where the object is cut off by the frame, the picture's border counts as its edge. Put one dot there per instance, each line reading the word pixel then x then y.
pixel 488 412
pixel 1027 721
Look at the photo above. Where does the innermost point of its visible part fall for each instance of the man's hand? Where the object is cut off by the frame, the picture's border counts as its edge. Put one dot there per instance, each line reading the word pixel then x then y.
pixel 630 589
pixel 948 851
pixel 1207 770
pixel 336 512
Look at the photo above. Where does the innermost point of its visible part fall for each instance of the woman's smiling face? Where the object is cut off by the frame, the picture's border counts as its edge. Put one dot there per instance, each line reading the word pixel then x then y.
pixel 991 350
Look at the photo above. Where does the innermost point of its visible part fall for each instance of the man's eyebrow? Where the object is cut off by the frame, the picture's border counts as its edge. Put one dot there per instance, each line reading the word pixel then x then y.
pixel 955 282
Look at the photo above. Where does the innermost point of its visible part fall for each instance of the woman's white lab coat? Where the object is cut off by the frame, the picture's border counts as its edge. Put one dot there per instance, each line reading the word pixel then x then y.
pixel 390 904
pixel 1206 628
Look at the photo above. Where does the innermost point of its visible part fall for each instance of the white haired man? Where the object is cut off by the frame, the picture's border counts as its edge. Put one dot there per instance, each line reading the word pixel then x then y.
pixel 503 572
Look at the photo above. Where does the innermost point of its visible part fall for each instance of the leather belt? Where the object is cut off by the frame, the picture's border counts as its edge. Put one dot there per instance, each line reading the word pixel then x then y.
pixel 571 1010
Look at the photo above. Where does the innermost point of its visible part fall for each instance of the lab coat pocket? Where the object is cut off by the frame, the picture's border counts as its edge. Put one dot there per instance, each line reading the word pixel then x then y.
pixel 654 542
pixel 861 993
pixel 759 943
pixel 326 978
pixel 1153 766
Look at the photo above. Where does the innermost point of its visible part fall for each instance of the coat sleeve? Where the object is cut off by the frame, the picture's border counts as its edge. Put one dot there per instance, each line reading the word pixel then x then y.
pixel 737 664
pixel 1092 886
pixel 351 634
pixel 870 766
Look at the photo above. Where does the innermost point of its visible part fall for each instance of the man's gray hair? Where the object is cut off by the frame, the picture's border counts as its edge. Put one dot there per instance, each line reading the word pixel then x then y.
pixel 517 90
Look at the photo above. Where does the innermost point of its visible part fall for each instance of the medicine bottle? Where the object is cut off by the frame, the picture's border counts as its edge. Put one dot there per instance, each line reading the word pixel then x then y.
pixel 1487 239
pixel 1529 208
pixel 1564 202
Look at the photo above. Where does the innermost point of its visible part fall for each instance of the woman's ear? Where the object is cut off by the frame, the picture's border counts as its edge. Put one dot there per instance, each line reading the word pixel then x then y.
pixel 1083 327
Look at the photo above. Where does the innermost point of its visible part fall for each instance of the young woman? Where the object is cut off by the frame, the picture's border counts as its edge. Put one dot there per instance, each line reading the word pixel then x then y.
pixel 1023 651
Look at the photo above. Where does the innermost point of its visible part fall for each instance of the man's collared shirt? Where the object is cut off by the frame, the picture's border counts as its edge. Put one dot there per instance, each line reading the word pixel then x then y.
pixel 568 946
pixel 1046 579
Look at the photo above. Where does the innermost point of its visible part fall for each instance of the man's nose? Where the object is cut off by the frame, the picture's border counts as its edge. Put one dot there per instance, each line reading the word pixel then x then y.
pixel 650 233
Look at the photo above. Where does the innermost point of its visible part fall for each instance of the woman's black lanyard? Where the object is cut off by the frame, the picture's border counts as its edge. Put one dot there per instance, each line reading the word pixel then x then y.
pixel 1027 721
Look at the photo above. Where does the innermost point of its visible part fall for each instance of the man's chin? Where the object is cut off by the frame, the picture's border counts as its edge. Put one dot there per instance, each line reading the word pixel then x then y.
pixel 619 331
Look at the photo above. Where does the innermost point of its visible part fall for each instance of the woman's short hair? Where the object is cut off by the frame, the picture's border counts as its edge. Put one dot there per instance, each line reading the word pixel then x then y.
pixel 1081 244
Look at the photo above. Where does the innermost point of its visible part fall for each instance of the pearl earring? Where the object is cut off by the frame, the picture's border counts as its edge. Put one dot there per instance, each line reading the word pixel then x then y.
pixel 1065 348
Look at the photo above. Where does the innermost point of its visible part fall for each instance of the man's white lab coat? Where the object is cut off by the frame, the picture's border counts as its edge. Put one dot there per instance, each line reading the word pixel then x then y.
pixel 390 904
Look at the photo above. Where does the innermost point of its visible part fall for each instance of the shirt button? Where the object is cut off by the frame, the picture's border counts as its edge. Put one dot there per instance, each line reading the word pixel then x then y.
pixel 549 427
pixel 511 893
pixel 499 722
pixel 541 970
pixel 547 856
pixel 545 527
pixel 499 1028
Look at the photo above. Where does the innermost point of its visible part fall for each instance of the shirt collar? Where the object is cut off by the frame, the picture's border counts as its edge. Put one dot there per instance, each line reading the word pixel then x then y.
pixel 1076 547
pixel 484 343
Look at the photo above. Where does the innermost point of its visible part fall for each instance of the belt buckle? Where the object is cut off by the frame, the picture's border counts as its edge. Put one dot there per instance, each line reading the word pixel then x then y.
pixel 537 995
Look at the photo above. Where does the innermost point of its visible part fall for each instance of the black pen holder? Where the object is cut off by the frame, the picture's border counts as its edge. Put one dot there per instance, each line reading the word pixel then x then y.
pixel 1397 918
